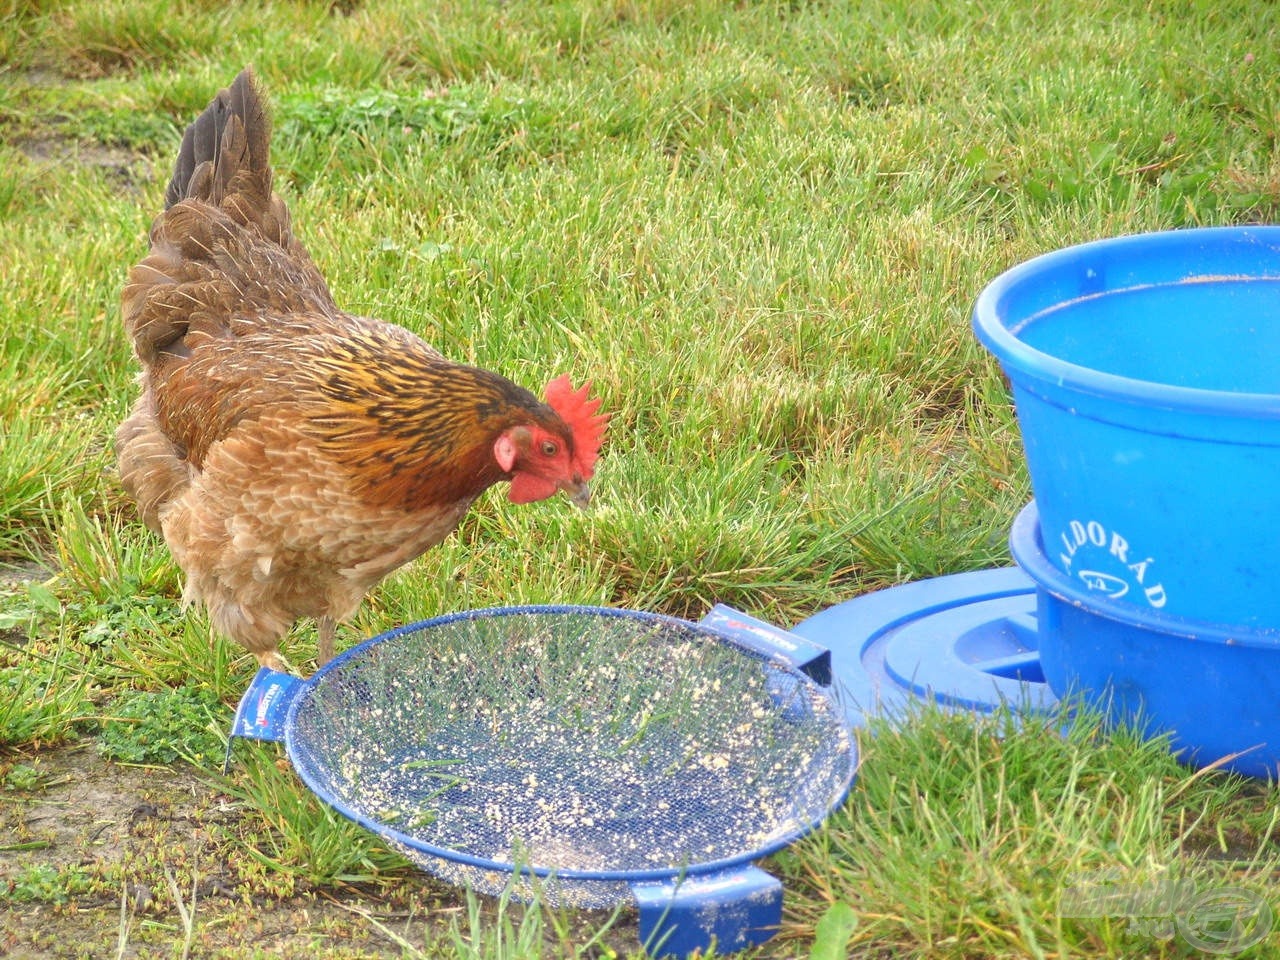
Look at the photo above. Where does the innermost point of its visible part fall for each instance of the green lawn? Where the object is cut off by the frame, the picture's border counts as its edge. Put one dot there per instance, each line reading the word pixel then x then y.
pixel 759 228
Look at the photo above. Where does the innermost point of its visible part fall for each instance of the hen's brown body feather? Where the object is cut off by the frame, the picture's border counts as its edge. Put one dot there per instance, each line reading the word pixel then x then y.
pixel 290 454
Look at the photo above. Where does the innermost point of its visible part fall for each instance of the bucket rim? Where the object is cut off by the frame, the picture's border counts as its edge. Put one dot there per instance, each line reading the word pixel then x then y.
pixel 1026 543
pixel 1022 361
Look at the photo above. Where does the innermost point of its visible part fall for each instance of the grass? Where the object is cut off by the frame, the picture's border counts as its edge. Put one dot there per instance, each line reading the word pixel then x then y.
pixel 984 834
pixel 760 228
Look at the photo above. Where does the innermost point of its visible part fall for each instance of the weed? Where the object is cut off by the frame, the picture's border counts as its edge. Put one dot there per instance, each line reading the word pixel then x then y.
pixel 22 776
pixel 164 726
pixel 45 693
pixel 46 883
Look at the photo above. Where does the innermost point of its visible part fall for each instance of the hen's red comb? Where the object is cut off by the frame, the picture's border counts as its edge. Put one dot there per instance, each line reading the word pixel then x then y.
pixel 579 411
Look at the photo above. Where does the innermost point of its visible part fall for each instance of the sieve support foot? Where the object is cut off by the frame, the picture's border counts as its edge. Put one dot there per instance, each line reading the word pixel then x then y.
pixel 735 910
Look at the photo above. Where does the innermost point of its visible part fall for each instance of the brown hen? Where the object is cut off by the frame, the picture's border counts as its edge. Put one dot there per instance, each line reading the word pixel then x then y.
pixel 291 454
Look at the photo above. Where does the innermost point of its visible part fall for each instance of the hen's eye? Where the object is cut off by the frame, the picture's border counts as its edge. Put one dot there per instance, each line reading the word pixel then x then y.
pixel 549 448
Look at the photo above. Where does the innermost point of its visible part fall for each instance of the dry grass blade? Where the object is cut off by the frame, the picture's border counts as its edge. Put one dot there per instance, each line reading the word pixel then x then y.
pixel 186 909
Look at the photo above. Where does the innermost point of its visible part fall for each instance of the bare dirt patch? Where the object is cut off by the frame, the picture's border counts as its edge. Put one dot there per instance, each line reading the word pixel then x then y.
pixel 127 169
pixel 90 851
pixel 86 856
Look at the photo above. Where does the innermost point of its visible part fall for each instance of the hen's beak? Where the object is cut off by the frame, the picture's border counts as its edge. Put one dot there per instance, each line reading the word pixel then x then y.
pixel 579 494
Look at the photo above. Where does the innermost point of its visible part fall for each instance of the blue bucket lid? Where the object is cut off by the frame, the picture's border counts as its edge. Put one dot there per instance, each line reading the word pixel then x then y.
pixel 966 641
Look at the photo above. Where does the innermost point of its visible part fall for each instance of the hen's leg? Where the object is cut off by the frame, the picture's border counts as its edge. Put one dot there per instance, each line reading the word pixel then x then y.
pixel 327 628
pixel 272 660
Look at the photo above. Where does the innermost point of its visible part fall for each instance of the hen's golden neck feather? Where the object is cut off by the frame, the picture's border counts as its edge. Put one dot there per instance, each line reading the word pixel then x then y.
pixel 417 430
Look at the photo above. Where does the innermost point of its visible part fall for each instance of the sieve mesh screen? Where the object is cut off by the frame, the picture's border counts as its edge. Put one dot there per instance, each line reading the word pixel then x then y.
pixel 560 741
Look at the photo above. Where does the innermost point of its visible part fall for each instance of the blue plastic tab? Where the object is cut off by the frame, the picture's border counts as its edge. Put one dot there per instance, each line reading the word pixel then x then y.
pixel 734 910
pixel 805 655
pixel 265 705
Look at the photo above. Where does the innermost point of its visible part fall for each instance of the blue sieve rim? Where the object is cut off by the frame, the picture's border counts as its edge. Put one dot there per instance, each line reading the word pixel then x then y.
pixel 723 864
pixel 1022 360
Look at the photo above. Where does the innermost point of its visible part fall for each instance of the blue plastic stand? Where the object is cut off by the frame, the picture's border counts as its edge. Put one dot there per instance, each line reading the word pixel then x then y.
pixel 736 908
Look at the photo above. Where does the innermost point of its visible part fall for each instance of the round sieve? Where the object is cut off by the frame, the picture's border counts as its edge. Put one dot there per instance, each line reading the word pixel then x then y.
pixel 576 753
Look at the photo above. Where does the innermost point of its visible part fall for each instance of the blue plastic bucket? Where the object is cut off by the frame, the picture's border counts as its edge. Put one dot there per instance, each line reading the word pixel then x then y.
pixel 1215 690
pixel 1146 375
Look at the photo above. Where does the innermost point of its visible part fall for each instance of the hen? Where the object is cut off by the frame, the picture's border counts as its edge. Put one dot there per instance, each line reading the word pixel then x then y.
pixel 291 454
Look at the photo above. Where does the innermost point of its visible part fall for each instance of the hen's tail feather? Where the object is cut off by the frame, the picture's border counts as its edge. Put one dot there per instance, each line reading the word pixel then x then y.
pixel 225 162
pixel 231 137
pixel 223 247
